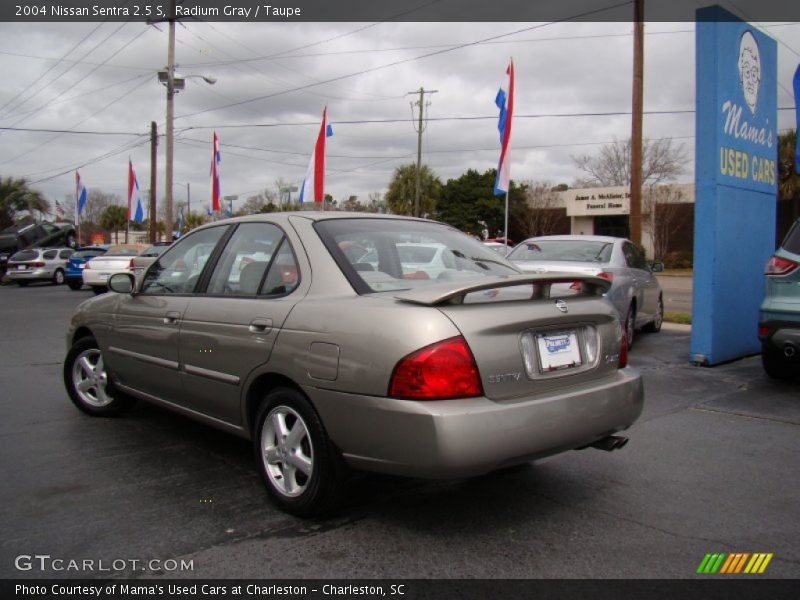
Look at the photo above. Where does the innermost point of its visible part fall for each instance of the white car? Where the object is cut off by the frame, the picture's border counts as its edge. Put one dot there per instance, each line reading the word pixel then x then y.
pixel 38 264
pixel 118 259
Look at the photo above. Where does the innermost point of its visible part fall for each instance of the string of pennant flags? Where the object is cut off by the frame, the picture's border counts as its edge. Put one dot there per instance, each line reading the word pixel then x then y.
pixel 312 188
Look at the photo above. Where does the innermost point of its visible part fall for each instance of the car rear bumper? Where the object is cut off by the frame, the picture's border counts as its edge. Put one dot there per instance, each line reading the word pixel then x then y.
pixel 29 274
pixel 781 333
pixel 460 438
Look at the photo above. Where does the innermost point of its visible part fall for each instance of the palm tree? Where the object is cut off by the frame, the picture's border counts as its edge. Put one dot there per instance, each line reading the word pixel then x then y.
pixel 402 190
pixel 16 196
pixel 114 218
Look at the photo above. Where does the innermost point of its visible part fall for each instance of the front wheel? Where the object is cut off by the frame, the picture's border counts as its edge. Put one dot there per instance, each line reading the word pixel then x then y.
pixel 302 469
pixel 87 382
pixel 654 326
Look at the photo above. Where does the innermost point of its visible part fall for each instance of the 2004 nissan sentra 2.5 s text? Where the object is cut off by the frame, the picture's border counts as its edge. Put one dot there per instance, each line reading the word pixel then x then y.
pixel 308 334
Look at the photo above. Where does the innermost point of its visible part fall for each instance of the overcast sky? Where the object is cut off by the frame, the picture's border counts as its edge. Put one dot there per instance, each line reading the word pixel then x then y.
pixel 102 78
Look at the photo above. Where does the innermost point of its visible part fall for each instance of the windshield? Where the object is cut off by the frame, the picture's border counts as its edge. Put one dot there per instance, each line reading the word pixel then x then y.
pixel 792 241
pixel 25 255
pixel 379 255
pixel 563 250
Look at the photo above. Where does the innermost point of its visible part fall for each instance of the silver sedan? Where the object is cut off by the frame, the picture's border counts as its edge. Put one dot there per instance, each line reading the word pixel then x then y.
pixel 273 328
pixel 634 292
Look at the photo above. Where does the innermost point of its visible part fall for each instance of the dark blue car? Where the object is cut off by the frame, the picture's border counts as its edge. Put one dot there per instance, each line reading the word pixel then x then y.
pixel 74 273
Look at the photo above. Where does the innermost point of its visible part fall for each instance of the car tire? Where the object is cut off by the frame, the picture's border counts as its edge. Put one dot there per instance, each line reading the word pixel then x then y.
pixel 74 285
pixel 630 325
pixel 58 277
pixel 302 469
pixel 776 365
pixel 22 283
pixel 88 383
pixel 654 326
pixel 99 289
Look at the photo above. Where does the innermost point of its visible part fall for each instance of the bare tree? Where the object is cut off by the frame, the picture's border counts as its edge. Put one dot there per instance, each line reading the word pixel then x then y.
pixel 661 161
pixel 542 212
pixel 96 203
pixel 259 203
pixel 665 216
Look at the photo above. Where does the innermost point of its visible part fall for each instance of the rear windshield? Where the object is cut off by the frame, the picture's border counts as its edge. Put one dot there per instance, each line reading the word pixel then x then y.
pixel 792 241
pixel 122 252
pixel 25 255
pixel 563 250
pixel 87 253
pixel 379 255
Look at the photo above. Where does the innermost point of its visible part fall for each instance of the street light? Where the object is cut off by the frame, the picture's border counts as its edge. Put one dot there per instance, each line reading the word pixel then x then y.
pixel 174 83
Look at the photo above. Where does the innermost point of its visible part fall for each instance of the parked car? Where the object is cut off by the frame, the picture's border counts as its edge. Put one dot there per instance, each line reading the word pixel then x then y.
pixel 38 264
pixel 779 318
pixel 73 273
pixel 498 247
pixel 635 291
pixel 34 235
pixel 324 366
pixel 117 259
pixel 149 255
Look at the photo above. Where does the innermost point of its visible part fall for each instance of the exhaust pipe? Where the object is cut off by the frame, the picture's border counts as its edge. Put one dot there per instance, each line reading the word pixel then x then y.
pixel 789 350
pixel 612 442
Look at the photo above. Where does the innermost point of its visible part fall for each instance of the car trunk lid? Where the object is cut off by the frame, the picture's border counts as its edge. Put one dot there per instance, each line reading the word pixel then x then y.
pixel 525 340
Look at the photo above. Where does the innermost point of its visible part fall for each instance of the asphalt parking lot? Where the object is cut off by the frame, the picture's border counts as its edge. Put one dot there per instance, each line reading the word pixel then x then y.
pixel 711 467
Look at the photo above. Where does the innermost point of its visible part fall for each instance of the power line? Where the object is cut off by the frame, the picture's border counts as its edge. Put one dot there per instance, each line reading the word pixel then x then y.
pixel 403 61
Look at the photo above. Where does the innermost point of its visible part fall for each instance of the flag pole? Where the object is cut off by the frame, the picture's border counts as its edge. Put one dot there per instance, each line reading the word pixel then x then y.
pixel 505 231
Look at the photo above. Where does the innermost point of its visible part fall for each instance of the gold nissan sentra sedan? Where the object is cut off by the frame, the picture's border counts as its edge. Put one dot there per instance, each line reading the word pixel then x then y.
pixel 329 342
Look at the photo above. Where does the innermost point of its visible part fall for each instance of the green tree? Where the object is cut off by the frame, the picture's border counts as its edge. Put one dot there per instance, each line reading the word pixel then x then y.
pixel 194 220
pixel 788 179
pixel 402 188
pixel 469 204
pixel 113 219
pixel 16 196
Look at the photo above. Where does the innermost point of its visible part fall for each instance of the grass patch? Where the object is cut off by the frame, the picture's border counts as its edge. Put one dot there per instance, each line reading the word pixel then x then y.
pixel 676 317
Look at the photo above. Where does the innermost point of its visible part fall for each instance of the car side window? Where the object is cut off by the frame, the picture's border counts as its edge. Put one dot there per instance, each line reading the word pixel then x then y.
pixel 283 276
pixel 65 254
pixel 178 270
pixel 48 229
pixel 634 257
pixel 244 262
pixel 50 254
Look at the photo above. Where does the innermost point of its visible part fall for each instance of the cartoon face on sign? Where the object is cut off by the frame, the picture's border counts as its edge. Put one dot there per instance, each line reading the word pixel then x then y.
pixel 749 69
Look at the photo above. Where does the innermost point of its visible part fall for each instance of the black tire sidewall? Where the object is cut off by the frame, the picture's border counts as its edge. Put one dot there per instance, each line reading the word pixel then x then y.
pixel 322 489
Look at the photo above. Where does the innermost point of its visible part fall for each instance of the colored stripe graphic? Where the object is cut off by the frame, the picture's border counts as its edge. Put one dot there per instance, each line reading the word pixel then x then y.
pixel 734 563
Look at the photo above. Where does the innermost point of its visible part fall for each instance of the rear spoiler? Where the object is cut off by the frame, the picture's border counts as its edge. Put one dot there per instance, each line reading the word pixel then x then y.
pixel 450 293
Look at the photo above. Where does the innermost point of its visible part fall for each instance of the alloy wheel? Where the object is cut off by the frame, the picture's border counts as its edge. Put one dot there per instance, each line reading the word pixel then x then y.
pixel 90 379
pixel 287 451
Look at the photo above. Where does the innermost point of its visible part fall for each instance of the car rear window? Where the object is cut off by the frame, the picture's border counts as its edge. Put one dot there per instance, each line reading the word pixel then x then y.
pixel 87 253
pixel 380 255
pixel 563 250
pixel 25 255
pixel 792 241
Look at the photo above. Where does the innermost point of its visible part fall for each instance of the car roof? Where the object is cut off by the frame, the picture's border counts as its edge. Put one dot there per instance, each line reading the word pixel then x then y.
pixel 283 217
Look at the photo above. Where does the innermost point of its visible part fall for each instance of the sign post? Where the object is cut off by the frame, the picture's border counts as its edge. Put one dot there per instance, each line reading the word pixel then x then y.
pixel 735 184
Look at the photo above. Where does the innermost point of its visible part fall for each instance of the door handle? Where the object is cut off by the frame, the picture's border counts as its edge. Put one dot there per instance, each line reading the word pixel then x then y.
pixel 172 317
pixel 260 326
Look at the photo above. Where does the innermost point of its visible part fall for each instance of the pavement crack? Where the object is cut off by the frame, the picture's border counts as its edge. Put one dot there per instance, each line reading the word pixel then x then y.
pixel 743 415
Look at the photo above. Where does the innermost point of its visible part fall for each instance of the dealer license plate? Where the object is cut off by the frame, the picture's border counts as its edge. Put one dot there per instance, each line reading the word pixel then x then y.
pixel 558 350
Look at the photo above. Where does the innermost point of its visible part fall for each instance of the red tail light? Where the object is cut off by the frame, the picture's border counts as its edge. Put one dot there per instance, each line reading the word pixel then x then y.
pixel 779 266
pixel 623 351
pixel 36 264
pixel 763 331
pixel 442 370
pixel 131 265
pixel 605 275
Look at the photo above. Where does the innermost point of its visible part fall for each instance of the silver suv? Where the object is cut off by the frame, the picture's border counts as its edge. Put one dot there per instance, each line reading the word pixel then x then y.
pixel 39 264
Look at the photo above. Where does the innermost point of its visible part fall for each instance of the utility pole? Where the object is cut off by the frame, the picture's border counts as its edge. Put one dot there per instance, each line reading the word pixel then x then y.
pixel 635 218
pixel 153 180
pixel 188 200
pixel 419 128
pixel 170 119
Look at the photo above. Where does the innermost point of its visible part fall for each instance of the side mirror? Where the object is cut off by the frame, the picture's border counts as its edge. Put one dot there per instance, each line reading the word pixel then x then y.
pixel 657 267
pixel 121 283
